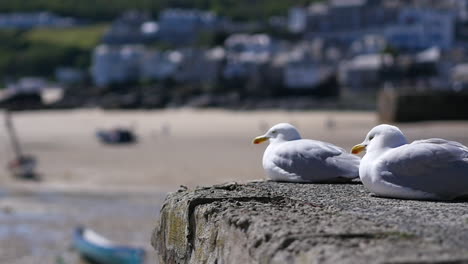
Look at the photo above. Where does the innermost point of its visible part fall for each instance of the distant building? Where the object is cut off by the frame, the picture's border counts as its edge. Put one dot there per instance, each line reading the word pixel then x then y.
pixel 228 26
pixel 457 7
pixel 348 20
pixel 30 93
pixel 346 14
pixel 113 64
pixel 157 65
pixel 35 19
pixel 201 66
pixel 28 85
pixel 368 44
pixel 245 52
pixel 67 75
pixel 355 15
pixel 183 26
pixel 256 48
pixel 422 28
pixel 459 77
pixel 302 68
pixel 362 73
pixel 304 75
pixel 297 19
pixel 430 55
pixel 317 15
pixel 133 27
pixel 460 72
pixel 408 25
pixel 120 64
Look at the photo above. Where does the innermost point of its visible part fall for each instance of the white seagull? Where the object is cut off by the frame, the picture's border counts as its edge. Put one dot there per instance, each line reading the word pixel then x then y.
pixel 292 159
pixel 430 169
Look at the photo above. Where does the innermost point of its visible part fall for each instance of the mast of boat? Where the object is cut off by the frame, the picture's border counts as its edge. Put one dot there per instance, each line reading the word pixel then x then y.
pixel 12 134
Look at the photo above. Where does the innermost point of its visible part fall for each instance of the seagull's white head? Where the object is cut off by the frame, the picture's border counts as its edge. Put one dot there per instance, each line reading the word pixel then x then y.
pixel 279 132
pixel 381 137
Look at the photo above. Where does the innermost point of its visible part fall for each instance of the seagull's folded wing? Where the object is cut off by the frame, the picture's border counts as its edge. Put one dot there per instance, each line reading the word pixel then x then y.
pixel 315 161
pixel 434 165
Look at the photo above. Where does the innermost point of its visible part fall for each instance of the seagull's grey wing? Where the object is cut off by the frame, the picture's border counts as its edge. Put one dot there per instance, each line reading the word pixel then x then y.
pixel 434 165
pixel 316 161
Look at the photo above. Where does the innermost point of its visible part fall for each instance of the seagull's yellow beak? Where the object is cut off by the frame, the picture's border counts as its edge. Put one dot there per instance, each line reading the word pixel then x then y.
pixel 260 139
pixel 358 148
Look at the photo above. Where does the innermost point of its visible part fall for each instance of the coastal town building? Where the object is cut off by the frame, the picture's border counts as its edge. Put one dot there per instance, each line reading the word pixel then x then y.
pixel 361 43
pixel 420 29
pixel 23 20
pixel 182 26
pixel 112 64
pixel 361 73
pixel 133 27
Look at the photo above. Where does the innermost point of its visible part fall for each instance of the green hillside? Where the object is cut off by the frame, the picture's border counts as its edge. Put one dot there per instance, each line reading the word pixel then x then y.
pixel 85 37
pixel 40 51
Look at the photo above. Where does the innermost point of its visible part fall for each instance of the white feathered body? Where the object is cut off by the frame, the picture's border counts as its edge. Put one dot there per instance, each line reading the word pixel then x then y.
pixel 425 169
pixel 305 160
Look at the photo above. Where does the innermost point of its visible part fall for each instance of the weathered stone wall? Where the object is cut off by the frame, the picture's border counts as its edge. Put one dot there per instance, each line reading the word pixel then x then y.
pixel 394 106
pixel 268 222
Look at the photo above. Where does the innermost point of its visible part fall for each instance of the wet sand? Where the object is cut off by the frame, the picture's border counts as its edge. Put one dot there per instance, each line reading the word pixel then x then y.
pixel 37 224
pixel 117 190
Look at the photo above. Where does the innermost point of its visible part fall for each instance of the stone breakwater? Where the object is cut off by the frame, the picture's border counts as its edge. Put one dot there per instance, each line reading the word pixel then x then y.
pixel 269 222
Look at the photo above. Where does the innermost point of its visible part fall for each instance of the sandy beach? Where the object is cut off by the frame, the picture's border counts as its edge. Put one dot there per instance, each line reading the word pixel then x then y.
pixel 117 190
pixel 175 147
pixel 180 146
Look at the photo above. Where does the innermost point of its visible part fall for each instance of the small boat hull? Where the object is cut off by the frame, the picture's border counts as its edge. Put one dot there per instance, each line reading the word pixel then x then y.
pixel 117 136
pixel 101 251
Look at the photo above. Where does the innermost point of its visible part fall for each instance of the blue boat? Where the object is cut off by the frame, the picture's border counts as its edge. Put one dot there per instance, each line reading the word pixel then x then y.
pixel 100 250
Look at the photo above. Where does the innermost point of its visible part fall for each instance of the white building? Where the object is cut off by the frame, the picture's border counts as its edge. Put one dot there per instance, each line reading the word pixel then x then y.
pixel 132 27
pixel 459 77
pixel 68 75
pixel 182 26
pixel 34 19
pixel 362 72
pixel 157 65
pixel 368 44
pixel 346 15
pixel 422 28
pixel 28 85
pixel 120 64
pixel 201 66
pixel 297 19
pixel 244 53
pixel 112 64
pixel 302 75
pixel 254 48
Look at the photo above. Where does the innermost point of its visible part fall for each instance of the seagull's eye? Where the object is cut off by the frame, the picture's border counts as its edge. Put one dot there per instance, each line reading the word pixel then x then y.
pixel 371 137
pixel 273 132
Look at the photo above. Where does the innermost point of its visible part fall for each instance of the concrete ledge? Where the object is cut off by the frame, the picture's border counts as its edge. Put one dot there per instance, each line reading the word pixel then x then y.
pixel 269 222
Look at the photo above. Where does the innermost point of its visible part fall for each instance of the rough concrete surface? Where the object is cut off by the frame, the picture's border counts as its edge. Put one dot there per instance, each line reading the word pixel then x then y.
pixel 269 222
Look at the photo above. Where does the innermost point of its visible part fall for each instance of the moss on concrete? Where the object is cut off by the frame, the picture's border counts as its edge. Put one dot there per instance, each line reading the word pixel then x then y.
pixel 269 222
